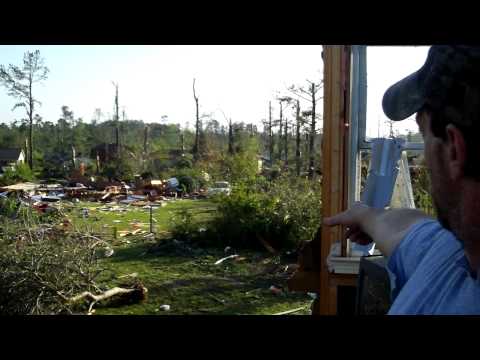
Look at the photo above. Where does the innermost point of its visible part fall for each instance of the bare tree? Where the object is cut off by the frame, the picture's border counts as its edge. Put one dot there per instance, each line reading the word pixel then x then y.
pixel 116 119
pixel 65 121
pixel 231 139
pixel 287 101
pixel 98 114
pixel 297 139
pixel 270 131
pixel 196 146
pixel 309 93
pixel 231 136
pixel 280 123
pixel 145 139
pixel 19 82
pixel 285 141
pixel 182 142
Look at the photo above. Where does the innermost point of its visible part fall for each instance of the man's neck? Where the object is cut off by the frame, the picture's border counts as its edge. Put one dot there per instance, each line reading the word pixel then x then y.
pixel 474 262
pixel 469 224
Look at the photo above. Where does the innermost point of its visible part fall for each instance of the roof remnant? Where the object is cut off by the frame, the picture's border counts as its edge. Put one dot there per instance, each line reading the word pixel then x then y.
pixel 10 154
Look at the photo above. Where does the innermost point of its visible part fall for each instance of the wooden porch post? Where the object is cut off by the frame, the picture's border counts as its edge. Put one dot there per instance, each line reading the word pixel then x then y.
pixel 335 164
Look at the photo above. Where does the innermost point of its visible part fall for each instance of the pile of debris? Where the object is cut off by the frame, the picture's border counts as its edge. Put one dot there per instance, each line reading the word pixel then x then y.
pixel 50 197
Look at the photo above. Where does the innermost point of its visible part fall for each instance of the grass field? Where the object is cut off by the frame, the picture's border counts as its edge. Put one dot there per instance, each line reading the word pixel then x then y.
pixel 188 282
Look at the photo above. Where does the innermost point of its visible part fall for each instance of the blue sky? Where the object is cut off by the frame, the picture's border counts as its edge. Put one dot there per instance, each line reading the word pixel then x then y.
pixel 157 80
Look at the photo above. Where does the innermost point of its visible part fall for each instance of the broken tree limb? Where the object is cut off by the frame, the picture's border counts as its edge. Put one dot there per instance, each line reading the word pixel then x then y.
pixel 137 293
pixel 96 298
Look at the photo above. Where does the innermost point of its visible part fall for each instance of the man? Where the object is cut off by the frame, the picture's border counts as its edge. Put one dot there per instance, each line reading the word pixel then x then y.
pixel 434 264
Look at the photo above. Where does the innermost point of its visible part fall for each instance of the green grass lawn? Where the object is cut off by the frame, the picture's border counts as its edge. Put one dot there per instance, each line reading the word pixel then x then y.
pixel 105 221
pixel 189 283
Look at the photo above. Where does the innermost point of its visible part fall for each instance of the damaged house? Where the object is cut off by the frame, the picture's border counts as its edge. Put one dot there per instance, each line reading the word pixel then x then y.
pixel 11 157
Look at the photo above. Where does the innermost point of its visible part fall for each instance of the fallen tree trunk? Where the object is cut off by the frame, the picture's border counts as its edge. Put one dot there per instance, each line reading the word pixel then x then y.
pixel 135 294
pixel 96 298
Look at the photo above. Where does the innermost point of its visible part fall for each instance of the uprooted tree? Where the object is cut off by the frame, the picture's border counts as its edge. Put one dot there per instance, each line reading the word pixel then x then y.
pixel 19 81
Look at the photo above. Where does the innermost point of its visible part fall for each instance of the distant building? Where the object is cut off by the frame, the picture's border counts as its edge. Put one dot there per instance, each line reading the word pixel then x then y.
pixel 11 157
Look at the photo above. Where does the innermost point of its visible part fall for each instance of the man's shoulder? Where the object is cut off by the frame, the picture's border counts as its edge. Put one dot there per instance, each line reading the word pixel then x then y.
pixel 427 231
pixel 424 249
pixel 428 274
pixel 427 236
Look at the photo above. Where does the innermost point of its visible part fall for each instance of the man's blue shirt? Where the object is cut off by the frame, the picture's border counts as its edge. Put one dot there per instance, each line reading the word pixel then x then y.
pixel 430 274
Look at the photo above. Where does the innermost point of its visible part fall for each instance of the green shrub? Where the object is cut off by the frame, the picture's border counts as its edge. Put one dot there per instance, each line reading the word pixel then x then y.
pixel 190 179
pixel 184 163
pixel 9 207
pixel 20 173
pixel 283 213
pixel 421 190
pixel 12 208
pixel 187 183
pixel 122 168
pixel 182 225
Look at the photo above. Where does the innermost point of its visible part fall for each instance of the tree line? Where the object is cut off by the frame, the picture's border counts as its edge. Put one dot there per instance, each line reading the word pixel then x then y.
pixel 55 146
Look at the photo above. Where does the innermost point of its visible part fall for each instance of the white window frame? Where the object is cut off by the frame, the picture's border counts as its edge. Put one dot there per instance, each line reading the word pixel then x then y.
pixel 358 120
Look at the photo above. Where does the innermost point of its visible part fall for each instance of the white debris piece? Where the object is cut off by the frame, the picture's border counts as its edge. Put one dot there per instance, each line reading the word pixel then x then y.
pixel 226 258
pixel 108 252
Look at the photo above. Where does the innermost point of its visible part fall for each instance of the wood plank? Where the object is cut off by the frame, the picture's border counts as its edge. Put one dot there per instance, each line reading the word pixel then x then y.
pixel 334 189
pixel 304 281
pixel 345 134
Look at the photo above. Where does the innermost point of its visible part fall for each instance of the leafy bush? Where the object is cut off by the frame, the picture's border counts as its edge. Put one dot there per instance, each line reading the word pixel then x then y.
pixel 187 183
pixel 282 213
pixel 239 167
pixel 147 175
pixel 191 179
pixel 8 207
pixel 184 163
pixel 19 173
pixel 182 224
pixel 421 190
pixel 185 228
pixel 12 209
pixel 123 168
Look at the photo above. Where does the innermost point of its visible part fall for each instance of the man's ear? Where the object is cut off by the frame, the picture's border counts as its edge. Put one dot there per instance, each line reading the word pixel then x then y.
pixel 456 152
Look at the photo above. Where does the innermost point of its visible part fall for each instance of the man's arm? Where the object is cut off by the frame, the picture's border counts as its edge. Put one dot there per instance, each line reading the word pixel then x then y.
pixel 384 227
